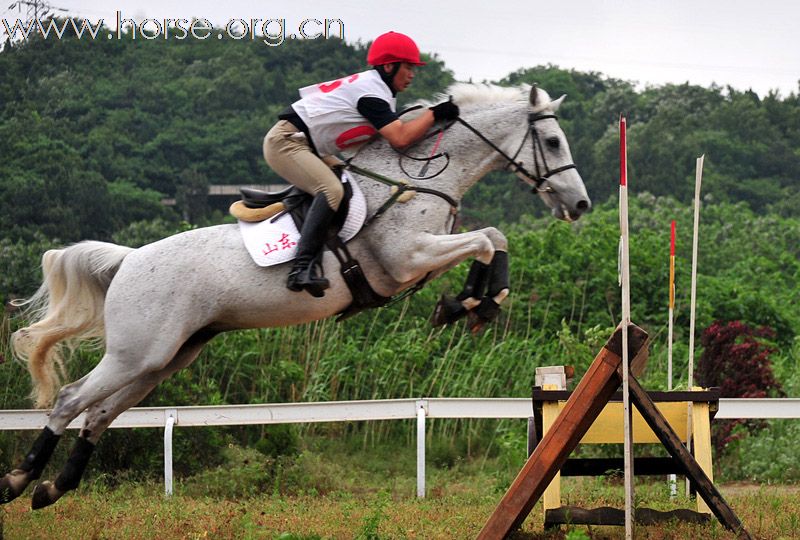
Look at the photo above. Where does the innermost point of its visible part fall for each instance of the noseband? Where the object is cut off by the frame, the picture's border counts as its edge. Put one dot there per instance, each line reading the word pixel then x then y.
pixel 537 147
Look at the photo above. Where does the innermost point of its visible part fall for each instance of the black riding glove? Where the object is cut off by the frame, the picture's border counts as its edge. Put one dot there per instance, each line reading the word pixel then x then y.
pixel 447 110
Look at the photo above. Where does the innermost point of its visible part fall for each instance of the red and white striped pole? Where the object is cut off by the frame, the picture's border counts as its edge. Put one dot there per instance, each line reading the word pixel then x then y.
pixel 671 302
pixel 626 320
pixel 673 487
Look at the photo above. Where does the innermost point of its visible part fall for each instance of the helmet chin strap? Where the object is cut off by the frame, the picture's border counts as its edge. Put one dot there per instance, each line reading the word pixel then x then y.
pixel 388 78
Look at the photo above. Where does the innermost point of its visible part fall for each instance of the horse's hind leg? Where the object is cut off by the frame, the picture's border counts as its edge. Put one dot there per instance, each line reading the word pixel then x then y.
pixel 100 415
pixel 132 359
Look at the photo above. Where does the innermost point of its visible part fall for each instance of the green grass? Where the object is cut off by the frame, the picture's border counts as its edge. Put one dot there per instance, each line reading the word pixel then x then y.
pixel 332 492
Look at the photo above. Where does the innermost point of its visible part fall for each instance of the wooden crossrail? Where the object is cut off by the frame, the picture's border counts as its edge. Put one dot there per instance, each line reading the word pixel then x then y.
pixel 601 380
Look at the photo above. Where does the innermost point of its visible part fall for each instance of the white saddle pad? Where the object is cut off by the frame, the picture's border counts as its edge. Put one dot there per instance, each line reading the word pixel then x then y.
pixel 274 243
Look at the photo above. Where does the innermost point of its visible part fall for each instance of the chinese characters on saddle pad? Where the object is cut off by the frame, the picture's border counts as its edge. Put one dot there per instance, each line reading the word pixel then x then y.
pixel 274 243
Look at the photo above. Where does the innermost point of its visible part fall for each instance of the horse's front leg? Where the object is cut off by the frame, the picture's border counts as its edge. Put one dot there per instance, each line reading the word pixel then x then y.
pixel 487 282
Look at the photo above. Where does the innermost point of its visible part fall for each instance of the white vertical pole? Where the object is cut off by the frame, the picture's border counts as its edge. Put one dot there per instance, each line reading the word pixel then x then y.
pixel 421 449
pixel 698 178
pixel 673 481
pixel 626 319
pixel 170 422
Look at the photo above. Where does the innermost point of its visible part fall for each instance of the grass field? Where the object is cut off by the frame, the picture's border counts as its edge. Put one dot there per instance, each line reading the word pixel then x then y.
pixel 364 496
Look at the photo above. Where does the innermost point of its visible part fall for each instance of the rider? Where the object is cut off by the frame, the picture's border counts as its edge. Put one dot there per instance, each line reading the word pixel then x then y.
pixel 330 117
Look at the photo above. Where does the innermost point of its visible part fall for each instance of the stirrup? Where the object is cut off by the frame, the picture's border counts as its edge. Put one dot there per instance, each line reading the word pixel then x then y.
pixel 302 278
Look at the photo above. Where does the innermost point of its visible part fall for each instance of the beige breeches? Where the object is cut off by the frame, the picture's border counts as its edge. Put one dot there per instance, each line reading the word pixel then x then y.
pixel 290 155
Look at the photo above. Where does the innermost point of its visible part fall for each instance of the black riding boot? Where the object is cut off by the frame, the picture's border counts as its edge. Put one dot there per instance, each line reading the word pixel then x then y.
pixel 312 238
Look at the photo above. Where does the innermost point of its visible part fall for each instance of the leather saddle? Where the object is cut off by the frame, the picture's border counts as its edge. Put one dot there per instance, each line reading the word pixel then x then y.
pixel 258 205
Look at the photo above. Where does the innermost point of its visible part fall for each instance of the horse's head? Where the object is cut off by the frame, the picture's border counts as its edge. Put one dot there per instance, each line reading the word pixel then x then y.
pixel 547 162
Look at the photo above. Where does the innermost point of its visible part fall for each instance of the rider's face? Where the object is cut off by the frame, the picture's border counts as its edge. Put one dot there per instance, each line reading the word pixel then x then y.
pixel 403 77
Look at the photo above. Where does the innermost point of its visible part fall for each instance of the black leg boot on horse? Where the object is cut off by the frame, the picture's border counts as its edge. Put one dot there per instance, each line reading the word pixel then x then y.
pixel 306 274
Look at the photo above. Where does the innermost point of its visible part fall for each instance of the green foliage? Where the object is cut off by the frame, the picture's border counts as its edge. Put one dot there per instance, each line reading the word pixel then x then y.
pixel 21 265
pixel 84 156
pixel 576 534
pixel 750 143
pixel 771 455
pixel 279 440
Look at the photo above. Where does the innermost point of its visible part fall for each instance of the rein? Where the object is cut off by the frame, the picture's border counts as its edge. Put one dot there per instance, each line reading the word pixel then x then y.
pixel 402 187
pixel 515 166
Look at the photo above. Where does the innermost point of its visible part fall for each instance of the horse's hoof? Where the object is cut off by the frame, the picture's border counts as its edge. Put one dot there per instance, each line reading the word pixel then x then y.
pixel 447 311
pixel 475 324
pixel 45 494
pixel 12 485
pixel 486 312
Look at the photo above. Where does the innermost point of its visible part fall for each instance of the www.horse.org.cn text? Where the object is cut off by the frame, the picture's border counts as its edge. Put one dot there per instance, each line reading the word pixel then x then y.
pixel 270 31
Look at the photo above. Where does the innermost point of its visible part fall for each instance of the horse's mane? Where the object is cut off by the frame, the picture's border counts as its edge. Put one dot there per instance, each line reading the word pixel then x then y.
pixel 470 94
pixel 465 94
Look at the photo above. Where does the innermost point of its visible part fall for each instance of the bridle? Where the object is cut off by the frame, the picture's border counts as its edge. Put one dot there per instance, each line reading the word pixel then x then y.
pixel 537 179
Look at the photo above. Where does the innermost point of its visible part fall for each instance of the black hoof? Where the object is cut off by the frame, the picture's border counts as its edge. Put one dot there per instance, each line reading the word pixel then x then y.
pixel 484 313
pixel 447 311
pixel 488 309
pixel 45 494
pixel 12 485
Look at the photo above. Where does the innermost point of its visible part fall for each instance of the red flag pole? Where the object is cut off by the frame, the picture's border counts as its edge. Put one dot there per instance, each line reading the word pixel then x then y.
pixel 626 320
pixel 671 302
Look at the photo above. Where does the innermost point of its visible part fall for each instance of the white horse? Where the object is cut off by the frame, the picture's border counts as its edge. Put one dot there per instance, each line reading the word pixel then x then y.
pixel 155 307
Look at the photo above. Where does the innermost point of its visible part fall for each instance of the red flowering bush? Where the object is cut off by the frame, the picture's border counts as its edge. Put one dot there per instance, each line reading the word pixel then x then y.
pixel 737 361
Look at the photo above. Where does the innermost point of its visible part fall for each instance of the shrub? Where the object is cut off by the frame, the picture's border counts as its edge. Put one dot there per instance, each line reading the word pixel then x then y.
pixel 738 363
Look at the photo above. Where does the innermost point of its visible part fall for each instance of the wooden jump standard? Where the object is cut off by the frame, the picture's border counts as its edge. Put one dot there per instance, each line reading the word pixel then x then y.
pixel 597 386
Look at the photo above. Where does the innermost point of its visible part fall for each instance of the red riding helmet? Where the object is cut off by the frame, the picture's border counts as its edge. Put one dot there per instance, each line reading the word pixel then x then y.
pixel 393 47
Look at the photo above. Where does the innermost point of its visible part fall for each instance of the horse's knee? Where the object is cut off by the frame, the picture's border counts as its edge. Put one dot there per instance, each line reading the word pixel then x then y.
pixel 66 407
pixel 485 249
pixel 497 238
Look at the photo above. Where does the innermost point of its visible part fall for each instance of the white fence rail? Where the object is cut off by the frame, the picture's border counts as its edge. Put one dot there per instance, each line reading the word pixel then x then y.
pixel 355 411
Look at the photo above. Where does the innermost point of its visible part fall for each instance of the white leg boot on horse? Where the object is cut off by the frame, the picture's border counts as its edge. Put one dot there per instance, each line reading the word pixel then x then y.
pixel 306 273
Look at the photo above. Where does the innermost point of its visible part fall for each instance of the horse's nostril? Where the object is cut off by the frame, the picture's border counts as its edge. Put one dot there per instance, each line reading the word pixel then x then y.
pixel 582 206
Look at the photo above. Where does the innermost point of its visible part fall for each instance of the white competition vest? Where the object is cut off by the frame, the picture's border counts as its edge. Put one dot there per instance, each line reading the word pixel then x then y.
pixel 330 110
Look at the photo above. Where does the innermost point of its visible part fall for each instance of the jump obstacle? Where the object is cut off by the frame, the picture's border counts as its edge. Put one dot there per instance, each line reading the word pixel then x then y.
pixel 584 405
pixel 607 429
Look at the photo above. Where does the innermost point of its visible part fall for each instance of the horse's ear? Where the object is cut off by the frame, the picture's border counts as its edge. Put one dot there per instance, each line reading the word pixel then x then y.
pixel 557 103
pixel 534 94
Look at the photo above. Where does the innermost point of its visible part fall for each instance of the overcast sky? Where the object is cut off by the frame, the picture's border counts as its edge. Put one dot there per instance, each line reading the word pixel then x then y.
pixel 745 44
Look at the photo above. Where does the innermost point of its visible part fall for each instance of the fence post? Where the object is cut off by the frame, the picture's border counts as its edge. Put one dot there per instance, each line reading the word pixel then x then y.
pixel 170 415
pixel 421 411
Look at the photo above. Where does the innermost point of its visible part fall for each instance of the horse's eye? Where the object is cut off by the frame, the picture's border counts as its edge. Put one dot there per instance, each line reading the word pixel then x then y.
pixel 553 142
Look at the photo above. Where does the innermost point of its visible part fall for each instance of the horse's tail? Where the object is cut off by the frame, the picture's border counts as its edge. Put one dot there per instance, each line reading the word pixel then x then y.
pixel 68 308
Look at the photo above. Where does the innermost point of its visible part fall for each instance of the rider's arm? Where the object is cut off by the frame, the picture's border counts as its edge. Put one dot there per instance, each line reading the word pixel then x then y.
pixel 401 134
pixel 386 121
